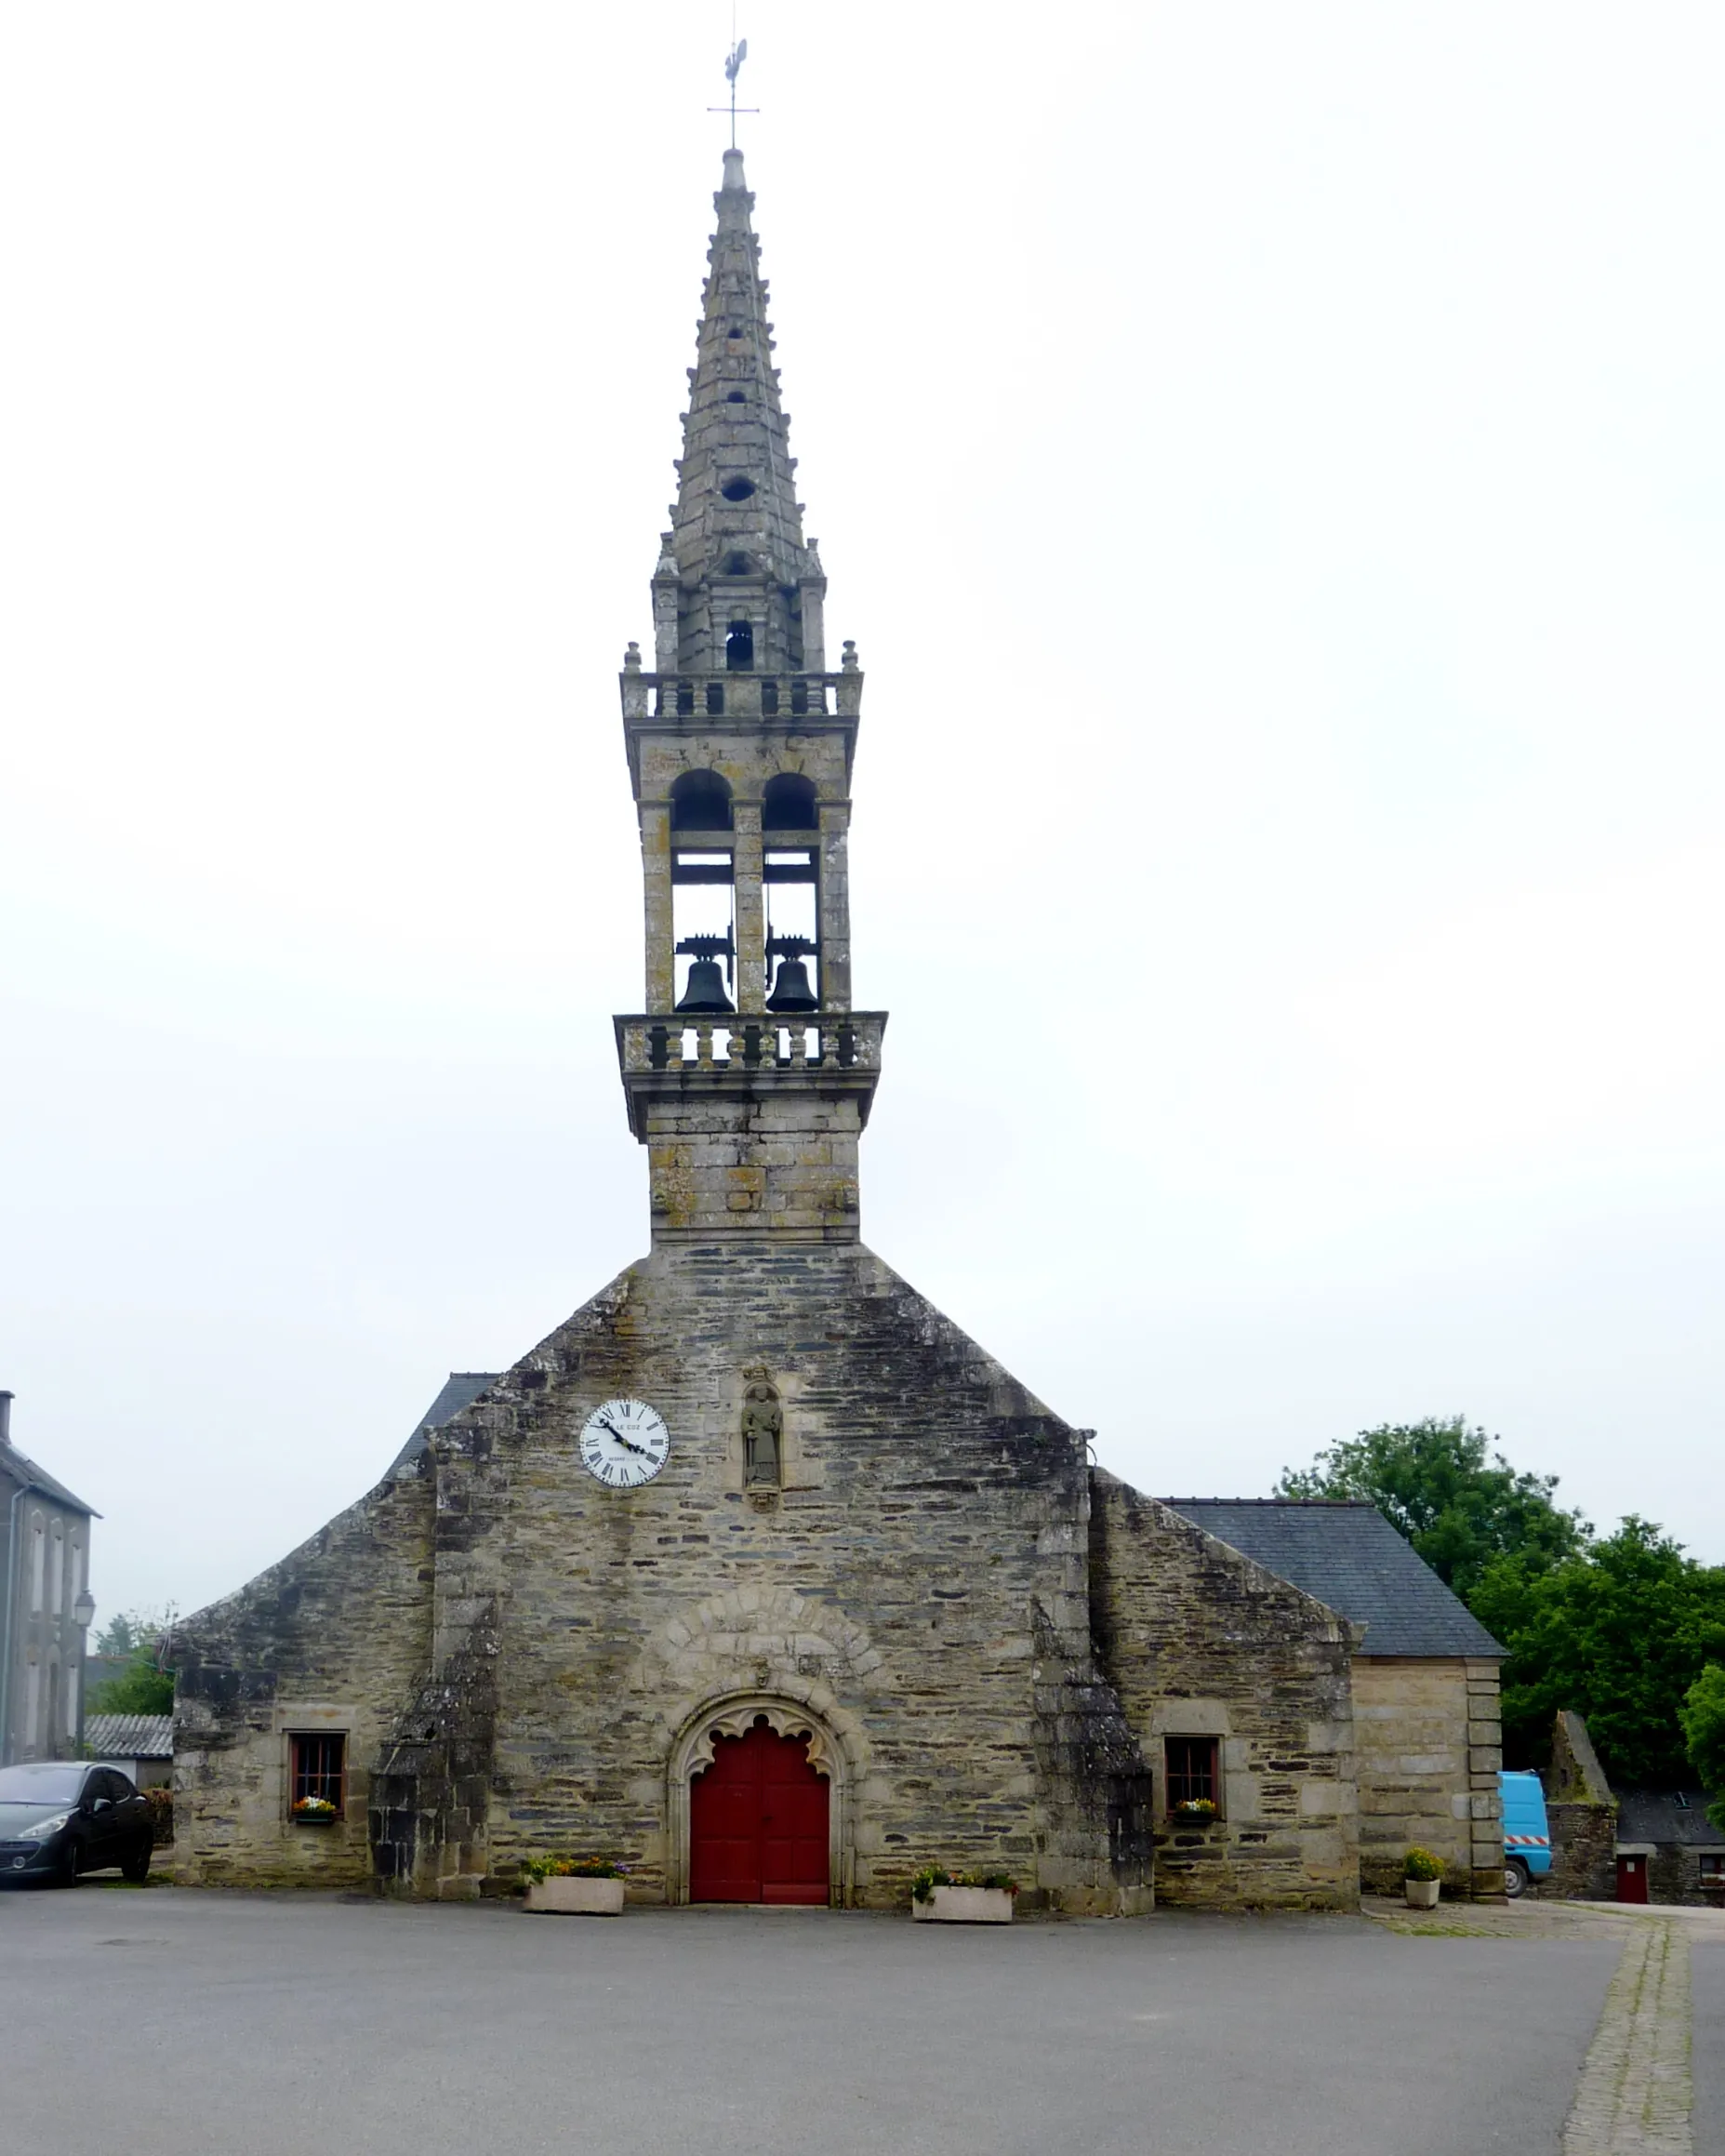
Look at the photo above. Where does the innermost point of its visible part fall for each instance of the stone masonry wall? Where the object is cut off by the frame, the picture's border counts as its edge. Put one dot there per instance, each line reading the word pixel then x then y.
pixel 1199 1640
pixel 333 1640
pixel 1430 1750
pixel 915 1595
pixel 1584 1851
pixel 1582 1816
pixel 764 1163
pixel 1674 1873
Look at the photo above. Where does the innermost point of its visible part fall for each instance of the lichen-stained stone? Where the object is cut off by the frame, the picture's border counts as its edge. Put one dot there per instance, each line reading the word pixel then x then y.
pixel 1199 1640
pixel 521 1650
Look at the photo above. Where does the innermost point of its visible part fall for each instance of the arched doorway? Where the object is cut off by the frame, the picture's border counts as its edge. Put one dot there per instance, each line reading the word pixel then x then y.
pixel 760 1821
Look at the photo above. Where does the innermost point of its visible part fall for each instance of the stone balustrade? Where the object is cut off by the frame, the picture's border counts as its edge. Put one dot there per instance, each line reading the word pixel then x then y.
pixel 753 1045
pixel 741 695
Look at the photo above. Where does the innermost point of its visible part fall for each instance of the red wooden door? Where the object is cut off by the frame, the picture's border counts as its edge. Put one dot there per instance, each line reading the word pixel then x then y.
pixel 758 1822
pixel 1632 1878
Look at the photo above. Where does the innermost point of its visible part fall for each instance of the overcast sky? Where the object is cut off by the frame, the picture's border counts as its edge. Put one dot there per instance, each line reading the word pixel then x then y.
pixel 1272 461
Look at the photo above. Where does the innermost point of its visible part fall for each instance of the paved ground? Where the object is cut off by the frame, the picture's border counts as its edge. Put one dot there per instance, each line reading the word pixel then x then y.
pixel 179 2024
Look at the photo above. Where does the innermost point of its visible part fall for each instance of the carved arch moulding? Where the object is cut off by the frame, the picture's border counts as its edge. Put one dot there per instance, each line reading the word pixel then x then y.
pixel 837 1751
pixel 738 1717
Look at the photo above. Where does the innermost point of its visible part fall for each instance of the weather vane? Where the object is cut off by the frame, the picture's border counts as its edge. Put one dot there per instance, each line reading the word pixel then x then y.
pixel 732 66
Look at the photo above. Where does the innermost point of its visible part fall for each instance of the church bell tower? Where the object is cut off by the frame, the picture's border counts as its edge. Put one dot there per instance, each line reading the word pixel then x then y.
pixel 747 1074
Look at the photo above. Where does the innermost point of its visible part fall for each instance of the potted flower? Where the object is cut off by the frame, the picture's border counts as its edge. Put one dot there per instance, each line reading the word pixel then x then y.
pixel 1422 1874
pixel 939 1896
pixel 1193 1811
pixel 573 1885
pixel 313 1812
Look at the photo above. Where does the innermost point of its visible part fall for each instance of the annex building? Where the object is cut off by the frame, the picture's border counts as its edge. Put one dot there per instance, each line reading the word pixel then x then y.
pixel 757 1575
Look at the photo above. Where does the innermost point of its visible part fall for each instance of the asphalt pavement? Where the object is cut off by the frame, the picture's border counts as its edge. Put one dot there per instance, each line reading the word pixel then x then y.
pixel 172 2023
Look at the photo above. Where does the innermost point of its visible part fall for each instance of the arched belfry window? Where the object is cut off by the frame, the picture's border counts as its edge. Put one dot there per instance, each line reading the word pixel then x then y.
pixel 700 801
pixel 788 804
pixel 739 647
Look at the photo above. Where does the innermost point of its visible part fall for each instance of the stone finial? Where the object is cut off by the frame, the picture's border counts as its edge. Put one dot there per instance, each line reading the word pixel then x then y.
pixel 734 169
pixel 849 663
pixel 631 657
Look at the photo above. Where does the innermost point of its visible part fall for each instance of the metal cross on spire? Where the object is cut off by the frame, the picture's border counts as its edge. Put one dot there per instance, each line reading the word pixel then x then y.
pixel 732 66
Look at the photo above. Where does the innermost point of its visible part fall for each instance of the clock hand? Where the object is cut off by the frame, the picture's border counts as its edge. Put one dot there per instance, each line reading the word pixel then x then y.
pixel 628 1442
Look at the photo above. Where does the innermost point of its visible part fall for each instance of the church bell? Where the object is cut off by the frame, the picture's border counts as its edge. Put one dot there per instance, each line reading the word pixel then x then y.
pixel 705 991
pixel 791 991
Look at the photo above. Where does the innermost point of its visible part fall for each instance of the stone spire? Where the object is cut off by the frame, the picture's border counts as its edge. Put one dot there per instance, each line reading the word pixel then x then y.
pixel 747 1072
pixel 736 546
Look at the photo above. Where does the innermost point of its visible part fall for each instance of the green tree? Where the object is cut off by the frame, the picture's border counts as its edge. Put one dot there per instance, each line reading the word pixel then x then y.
pixel 140 1687
pixel 1703 1730
pixel 1433 1481
pixel 1620 1631
pixel 128 1632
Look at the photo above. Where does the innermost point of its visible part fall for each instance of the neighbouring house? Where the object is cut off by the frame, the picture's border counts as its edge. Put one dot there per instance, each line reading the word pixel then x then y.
pixel 1637 1845
pixel 1427 1720
pixel 1667 1848
pixel 142 1744
pixel 44 1606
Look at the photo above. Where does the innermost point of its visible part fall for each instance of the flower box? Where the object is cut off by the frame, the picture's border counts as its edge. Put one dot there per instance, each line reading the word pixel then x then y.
pixel 1421 1893
pixel 564 1896
pixel 314 1818
pixel 965 1905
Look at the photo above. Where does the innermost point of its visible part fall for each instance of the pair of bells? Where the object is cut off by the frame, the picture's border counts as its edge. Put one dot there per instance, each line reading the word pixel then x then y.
pixel 705 993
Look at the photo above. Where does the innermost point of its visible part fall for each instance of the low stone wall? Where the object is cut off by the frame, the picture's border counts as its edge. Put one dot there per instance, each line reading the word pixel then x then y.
pixel 1584 1851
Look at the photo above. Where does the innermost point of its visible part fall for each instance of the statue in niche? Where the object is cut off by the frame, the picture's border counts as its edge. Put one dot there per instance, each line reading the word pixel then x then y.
pixel 764 1428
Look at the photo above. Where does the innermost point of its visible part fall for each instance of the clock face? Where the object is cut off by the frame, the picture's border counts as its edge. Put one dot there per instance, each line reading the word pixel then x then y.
pixel 624 1444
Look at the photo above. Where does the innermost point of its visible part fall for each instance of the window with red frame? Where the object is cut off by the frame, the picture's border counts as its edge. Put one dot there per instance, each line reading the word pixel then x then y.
pixel 1192 1770
pixel 317 1768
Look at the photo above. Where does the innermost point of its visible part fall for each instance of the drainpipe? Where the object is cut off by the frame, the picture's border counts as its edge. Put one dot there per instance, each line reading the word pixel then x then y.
pixel 11 1588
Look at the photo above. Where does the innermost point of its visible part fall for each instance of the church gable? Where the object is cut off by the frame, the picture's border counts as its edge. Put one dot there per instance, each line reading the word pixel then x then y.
pixel 927 1517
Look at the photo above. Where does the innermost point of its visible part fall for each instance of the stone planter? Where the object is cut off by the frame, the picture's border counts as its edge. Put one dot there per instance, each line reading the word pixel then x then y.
pixel 964 1905
pixel 575 1898
pixel 1421 1893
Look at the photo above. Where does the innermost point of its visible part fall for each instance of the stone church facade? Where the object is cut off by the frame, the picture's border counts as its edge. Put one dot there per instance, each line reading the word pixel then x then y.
pixel 757 1575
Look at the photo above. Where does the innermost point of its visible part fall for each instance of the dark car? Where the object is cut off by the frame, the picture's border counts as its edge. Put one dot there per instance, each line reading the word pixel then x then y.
pixel 61 1818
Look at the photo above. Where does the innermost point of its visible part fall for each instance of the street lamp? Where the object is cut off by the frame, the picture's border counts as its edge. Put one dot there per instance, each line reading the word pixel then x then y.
pixel 84 1611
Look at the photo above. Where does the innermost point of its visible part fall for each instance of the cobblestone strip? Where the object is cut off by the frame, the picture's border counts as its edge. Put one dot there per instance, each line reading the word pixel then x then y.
pixel 1634 2097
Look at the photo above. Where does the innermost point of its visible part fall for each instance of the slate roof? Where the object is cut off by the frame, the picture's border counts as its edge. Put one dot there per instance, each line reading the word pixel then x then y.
pixel 14 1463
pixel 460 1389
pixel 1667 1816
pixel 1350 1557
pixel 129 1735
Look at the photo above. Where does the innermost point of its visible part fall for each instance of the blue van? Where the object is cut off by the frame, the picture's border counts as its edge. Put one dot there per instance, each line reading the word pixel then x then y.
pixel 1527 1833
